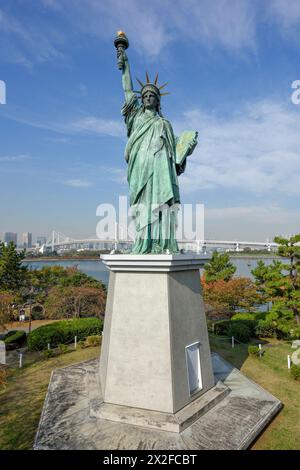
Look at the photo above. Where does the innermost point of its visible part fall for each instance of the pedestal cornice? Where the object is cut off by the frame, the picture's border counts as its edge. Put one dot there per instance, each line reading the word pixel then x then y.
pixel 154 263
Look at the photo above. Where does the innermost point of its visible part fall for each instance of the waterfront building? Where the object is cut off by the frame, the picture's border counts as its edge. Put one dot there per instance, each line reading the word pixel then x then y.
pixel 27 240
pixel 10 237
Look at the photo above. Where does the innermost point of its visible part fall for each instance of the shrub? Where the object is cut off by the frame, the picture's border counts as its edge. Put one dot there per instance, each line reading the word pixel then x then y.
pixel 3 376
pixel 94 340
pixel 37 313
pixel 295 372
pixel 82 344
pixel 291 331
pixel 240 331
pixel 15 337
pixel 221 327
pixel 63 332
pixel 48 353
pixel 266 328
pixel 253 350
pixel 63 348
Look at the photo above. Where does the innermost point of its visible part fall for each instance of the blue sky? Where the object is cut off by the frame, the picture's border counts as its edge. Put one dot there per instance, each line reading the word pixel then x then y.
pixel 230 65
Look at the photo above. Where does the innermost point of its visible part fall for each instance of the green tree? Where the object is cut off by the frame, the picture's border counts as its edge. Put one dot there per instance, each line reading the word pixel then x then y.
pixel 12 274
pixel 289 248
pixel 219 268
pixel 268 279
pixel 280 282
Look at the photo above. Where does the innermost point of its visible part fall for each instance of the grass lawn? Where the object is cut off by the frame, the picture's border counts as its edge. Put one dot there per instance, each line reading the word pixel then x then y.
pixel 272 374
pixel 22 401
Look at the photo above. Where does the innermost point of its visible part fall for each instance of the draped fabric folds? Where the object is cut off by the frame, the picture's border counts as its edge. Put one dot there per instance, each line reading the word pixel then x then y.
pixel 152 178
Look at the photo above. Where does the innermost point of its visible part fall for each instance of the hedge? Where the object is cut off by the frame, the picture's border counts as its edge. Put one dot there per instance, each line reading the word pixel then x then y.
pixel 240 331
pixel 227 327
pixel 63 332
pixel 15 337
pixel 295 371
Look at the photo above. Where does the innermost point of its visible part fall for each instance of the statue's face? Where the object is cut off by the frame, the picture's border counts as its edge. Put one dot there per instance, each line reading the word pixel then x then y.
pixel 150 101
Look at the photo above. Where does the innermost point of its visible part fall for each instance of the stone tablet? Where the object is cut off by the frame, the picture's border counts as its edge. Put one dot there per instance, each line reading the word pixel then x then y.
pixel 2 353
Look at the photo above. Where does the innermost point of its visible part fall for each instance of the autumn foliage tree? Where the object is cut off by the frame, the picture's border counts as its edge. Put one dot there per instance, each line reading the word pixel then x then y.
pixel 6 308
pixel 226 297
pixel 75 301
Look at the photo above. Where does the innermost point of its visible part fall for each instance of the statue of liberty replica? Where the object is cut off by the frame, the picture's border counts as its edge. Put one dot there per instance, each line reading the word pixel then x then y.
pixel 155 158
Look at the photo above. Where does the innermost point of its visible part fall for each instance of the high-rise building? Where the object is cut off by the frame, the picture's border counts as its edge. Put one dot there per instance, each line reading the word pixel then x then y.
pixel 27 240
pixel 10 237
pixel 41 240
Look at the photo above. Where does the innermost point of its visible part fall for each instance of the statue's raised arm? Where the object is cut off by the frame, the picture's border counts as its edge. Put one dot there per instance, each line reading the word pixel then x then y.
pixel 121 43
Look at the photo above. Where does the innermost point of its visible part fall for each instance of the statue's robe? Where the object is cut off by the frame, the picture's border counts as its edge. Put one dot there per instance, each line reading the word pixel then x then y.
pixel 152 177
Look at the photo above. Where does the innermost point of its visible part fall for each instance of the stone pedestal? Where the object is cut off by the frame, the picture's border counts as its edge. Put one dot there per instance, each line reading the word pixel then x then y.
pixel 154 313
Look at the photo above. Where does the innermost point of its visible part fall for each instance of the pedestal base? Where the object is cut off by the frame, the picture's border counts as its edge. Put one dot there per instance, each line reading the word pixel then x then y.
pixel 172 422
pixel 74 398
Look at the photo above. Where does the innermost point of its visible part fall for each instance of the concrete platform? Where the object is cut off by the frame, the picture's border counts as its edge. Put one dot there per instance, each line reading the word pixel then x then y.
pixel 70 417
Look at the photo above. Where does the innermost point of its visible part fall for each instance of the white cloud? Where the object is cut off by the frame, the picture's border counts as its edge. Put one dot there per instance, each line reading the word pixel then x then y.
pixel 256 150
pixel 78 183
pixel 14 158
pixel 152 26
pixel 286 13
pixel 117 175
pixel 230 25
pixel 86 125
pixel 251 223
pixel 100 126
pixel 28 43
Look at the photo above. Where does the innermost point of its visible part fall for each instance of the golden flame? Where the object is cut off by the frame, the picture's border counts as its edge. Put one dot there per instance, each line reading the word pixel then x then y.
pixel 121 33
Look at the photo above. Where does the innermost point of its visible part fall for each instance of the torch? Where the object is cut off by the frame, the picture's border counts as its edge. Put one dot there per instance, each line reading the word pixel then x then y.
pixel 121 43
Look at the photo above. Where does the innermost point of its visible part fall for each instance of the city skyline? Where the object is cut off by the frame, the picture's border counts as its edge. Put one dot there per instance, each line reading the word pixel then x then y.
pixel 230 68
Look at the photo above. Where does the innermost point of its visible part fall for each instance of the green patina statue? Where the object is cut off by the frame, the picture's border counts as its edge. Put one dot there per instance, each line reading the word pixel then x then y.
pixel 155 158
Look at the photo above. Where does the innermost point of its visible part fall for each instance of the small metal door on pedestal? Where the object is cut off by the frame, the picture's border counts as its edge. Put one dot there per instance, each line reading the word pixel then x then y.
pixel 193 367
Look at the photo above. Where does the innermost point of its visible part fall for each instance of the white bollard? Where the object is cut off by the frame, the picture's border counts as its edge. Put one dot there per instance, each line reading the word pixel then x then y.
pixel 75 342
pixel 48 345
pixel 20 360
pixel 289 361
pixel 259 346
pixel 232 341
pixel 2 353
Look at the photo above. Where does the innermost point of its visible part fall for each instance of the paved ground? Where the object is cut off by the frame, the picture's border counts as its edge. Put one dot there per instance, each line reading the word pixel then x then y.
pixel 74 391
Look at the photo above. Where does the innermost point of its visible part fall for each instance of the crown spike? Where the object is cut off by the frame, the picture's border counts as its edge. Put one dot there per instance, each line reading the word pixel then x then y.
pixel 166 93
pixel 156 78
pixel 139 82
pixel 162 86
pixel 147 77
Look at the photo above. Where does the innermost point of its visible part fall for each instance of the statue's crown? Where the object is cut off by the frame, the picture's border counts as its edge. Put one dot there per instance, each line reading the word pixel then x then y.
pixel 154 87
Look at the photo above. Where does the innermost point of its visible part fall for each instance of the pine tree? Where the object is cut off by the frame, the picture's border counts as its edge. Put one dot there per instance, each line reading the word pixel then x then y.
pixel 289 248
pixel 219 268
pixel 280 282
pixel 12 273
